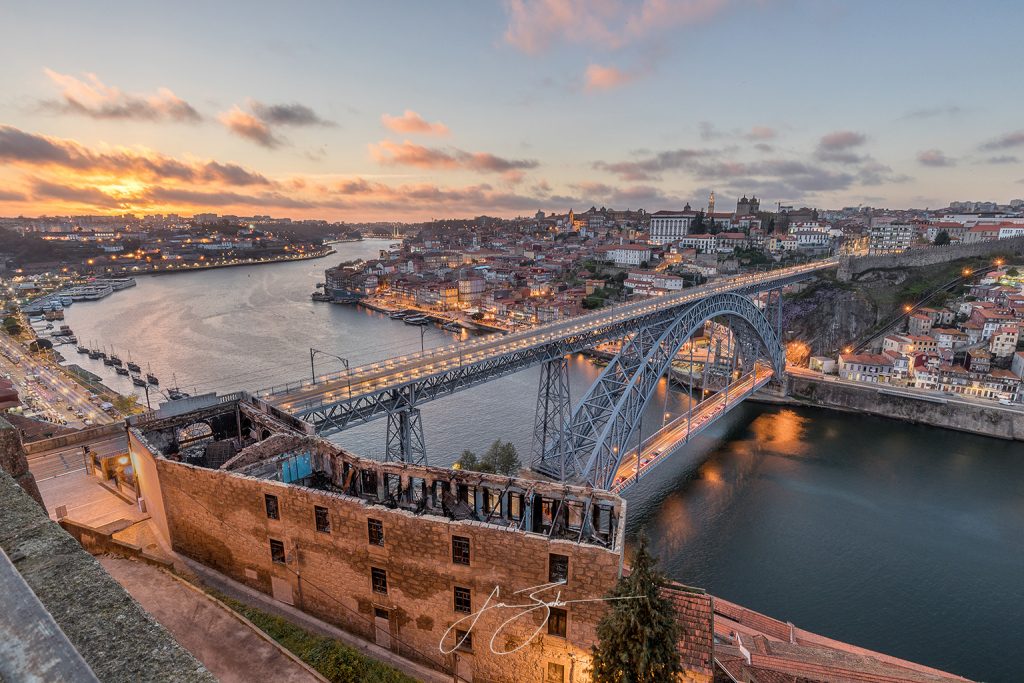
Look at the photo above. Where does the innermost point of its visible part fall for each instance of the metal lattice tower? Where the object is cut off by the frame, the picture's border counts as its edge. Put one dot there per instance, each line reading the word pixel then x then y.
pixel 553 410
pixel 405 437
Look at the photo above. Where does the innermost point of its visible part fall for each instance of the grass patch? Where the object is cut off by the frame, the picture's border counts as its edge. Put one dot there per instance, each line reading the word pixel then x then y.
pixel 334 660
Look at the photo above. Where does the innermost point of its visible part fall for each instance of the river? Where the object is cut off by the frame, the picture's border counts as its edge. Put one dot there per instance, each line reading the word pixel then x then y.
pixel 900 538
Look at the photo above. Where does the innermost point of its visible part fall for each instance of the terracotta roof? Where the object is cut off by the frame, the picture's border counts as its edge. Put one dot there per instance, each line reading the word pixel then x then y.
pixel 695 616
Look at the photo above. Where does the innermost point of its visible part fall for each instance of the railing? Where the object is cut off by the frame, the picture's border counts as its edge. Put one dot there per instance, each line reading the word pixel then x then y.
pixel 546 333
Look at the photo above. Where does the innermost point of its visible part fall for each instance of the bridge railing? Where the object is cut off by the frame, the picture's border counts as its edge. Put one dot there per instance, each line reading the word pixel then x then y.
pixel 610 312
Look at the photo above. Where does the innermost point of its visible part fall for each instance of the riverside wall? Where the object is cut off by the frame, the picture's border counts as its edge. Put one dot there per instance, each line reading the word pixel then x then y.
pixel 996 421
pixel 852 266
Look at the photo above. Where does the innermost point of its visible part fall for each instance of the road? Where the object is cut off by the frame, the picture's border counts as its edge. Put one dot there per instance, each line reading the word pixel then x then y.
pixel 56 394
pixel 395 372
pixel 662 443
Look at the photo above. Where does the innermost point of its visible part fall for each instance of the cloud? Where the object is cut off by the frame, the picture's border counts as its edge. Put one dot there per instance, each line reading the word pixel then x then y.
pixel 652 167
pixel 934 157
pixel 20 148
pixel 599 77
pixel 932 112
pixel 250 127
pixel 204 198
pixel 91 97
pixel 838 147
pixel 89 196
pixel 11 196
pixel 1003 159
pixel 410 154
pixel 411 122
pixel 535 25
pixel 293 114
pixel 761 133
pixel 1005 141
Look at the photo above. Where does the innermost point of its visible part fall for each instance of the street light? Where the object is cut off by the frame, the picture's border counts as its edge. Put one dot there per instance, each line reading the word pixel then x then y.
pixel 312 367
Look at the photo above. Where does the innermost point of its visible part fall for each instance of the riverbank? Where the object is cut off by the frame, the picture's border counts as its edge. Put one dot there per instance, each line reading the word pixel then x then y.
pixel 156 269
pixel 956 413
pixel 440 318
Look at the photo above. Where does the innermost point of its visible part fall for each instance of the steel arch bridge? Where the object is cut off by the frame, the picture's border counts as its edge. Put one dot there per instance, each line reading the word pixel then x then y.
pixel 588 446
pixel 581 445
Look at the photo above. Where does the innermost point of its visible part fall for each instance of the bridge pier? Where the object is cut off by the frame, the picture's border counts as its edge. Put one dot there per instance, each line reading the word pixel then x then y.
pixel 553 410
pixel 405 437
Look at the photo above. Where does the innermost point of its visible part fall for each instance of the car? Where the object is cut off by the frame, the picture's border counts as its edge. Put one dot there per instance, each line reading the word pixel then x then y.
pixel 1005 402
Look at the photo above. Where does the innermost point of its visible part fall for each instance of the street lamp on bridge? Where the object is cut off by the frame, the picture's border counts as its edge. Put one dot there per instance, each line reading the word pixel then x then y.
pixel 312 355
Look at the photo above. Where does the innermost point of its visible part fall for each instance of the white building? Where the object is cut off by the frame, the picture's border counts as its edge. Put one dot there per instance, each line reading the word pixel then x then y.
pixel 629 254
pixel 669 226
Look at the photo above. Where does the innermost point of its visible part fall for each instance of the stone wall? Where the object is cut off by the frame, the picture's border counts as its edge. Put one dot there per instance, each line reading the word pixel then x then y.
pixel 852 266
pixel 12 460
pixel 115 636
pixel 994 421
pixel 218 518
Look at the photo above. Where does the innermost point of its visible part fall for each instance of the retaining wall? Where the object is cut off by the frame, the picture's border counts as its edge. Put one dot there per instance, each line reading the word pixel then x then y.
pixel 996 421
pixel 852 266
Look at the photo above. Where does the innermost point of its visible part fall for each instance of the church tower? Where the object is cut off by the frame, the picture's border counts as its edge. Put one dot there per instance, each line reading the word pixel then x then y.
pixel 711 203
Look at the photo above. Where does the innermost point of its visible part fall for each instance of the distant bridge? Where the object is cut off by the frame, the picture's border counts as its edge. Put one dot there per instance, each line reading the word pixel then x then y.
pixel 585 444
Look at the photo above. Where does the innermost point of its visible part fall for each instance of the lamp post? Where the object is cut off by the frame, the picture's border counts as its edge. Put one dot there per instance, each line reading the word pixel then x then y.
pixel 423 332
pixel 344 361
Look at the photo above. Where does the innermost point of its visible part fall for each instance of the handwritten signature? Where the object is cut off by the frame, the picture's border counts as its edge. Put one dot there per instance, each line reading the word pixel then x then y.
pixel 535 603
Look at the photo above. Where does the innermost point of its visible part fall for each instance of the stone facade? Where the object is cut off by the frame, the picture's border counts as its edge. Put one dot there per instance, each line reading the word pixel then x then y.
pixel 220 519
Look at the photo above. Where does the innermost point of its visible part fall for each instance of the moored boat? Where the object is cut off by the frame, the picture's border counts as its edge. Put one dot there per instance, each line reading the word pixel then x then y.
pixel 121 371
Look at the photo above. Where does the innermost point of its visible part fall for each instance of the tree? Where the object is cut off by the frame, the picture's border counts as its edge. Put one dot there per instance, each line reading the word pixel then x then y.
pixel 637 640
pixel 697 224
pixel 502 458
pixel 125 404
pixel 941 238
pixel 499 458
pixel 12 326
pixel 1013 272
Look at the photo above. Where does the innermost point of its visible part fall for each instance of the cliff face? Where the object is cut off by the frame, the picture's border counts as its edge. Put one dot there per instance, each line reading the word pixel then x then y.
pixel 828 316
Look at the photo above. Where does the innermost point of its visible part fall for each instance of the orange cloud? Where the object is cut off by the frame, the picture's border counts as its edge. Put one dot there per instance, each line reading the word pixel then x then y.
pixel 599 77
pixel 250 127
pixel 410 154
pixel 411 122
pixel 91 97
pixel 535 25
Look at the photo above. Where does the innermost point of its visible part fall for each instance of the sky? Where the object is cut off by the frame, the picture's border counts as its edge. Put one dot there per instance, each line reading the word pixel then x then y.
pixel 407 111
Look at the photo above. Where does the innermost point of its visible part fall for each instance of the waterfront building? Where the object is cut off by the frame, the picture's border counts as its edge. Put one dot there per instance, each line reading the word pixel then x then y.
pixel 866 367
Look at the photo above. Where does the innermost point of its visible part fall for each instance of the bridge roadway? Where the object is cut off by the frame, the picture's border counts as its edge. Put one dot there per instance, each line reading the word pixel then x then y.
pixel 336 400
pixel 664 442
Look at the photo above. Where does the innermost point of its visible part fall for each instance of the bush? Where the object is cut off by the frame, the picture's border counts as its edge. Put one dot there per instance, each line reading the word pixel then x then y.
pixel 500 458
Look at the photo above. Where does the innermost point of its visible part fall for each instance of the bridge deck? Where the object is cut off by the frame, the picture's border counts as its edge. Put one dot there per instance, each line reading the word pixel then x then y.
pixel 303 398
pixel 660 445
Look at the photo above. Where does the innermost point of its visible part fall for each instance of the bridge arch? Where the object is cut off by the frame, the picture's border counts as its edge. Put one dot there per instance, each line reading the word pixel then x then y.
pixel 602 423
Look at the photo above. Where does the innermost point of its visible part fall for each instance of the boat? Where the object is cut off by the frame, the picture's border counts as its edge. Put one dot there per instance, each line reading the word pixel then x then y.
pixel 95 354
pixel 416 320
pixel 452 327
pixel 320 296
pixel 397 315
pixel 83 349
pixel 121 371
pixel 134 367
pixel 114 360
pixel 138 381
pixel 150 377
pixel 176 395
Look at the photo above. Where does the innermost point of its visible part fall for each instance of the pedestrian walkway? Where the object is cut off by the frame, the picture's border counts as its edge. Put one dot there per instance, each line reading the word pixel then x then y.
pixel 231 649
pixel 86 500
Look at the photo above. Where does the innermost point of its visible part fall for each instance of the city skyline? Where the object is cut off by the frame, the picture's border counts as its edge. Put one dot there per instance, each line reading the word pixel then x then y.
pixel 408 113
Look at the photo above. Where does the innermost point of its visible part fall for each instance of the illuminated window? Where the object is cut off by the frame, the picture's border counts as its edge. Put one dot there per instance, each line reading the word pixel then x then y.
pixel 379 580
pixel 270 502
pixel 460 550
